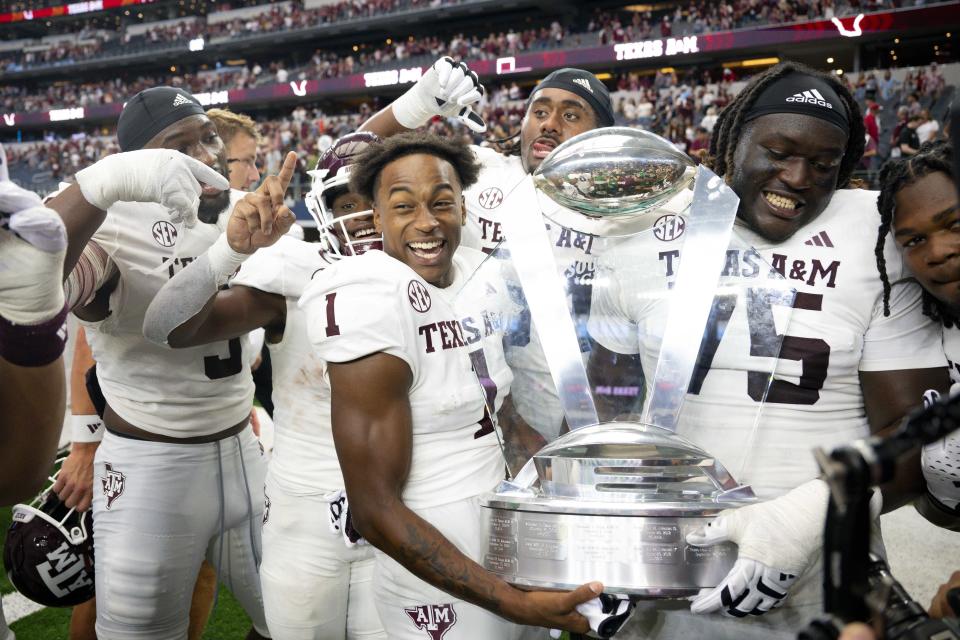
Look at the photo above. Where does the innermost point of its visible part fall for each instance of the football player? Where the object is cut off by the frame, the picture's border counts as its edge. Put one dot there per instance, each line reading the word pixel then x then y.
pixel 787 145
pixel 415 442
pixel 314 585
pixel 32 338
pixel 74 482
pixel 566 103
pixel 918 202
pixel 177 466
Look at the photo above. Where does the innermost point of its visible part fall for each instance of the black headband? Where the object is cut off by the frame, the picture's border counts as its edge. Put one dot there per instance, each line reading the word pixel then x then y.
pixel 584 84
pixel 150 112
pixel 804 94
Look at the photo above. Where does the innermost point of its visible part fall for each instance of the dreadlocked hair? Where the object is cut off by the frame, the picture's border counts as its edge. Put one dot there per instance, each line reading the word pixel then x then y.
pixel 933 157
pixel 730 123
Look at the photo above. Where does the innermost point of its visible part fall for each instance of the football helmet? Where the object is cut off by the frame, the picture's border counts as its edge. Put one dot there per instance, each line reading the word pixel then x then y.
pixel 48 553
pixel 350 234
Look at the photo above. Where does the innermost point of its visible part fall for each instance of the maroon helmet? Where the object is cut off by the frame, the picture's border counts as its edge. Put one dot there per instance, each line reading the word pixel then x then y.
pixel 48 553
pixel 346 235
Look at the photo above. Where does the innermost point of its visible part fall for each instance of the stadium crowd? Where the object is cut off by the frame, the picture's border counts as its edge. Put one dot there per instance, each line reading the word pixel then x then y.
pixel 617 26
pixel 682 107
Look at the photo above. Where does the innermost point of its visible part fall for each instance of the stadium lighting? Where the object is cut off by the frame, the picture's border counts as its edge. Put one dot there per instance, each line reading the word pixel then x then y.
pixel 755 62
pixel 196 44
pixel 829 60
pixel 839 72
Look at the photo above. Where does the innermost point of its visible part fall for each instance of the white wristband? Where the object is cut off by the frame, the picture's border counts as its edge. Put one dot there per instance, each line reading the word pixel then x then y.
pixel 412 109
pixel 86 428
pixel 224 261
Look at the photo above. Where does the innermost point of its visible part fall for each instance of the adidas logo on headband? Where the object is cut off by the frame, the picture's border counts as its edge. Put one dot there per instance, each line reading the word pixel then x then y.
pixel 179 100
pixel 583 82
pixel 810 97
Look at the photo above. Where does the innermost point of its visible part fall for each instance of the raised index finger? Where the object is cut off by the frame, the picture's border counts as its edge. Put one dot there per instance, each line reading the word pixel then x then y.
pixel 287 170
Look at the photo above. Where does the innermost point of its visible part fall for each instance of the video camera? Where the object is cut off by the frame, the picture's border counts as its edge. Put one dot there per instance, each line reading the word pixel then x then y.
pixel 857 585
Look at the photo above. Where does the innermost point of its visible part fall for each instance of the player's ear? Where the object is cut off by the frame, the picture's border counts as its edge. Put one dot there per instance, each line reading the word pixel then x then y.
pixel 463 211
pixel 376 218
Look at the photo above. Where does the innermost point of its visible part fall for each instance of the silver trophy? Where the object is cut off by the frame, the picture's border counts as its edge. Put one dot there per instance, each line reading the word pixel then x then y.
pixel 613 500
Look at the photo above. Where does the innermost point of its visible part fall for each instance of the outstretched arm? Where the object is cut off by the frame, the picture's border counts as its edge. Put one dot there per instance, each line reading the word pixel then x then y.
pixel 448 88
pixel 374 443
pixel 190 309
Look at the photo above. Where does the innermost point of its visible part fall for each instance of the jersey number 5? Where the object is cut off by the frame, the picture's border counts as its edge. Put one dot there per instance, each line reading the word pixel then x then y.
pixel 813 353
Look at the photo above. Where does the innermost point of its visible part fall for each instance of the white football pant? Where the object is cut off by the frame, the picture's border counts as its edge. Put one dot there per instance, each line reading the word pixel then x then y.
pixel 314 587
pixel 157 508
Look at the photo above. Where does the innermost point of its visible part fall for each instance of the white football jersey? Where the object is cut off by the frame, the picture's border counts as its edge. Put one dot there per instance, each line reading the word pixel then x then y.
pixel 376 304
pixel 304 461
pixel 836 330
pixel 178 393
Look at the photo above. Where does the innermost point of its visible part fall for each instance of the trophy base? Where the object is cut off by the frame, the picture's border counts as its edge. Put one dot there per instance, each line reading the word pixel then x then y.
pixel 635 555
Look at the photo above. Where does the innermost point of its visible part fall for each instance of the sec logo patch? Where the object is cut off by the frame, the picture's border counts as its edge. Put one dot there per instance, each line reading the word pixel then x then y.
pixel 419 296
pixel 164 233
pixel 669 227
pixel 490 198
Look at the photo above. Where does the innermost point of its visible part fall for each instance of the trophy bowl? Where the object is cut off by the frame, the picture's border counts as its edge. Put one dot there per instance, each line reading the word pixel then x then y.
pixel 612 502
pixel 612 176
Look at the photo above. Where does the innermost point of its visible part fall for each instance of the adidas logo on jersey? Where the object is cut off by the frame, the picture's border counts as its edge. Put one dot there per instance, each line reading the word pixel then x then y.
pixel 810 97
pixel 180 99
pixel 820 240
pixel 583 82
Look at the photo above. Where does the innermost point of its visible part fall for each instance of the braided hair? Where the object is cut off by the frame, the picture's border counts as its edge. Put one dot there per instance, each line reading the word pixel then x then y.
pixel 728 130
pixel 896 174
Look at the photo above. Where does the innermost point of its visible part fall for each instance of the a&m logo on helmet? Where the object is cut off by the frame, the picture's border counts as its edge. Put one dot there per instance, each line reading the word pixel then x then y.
pixel 490 198
pixel 419 296
pixel 164 233
pixel 435 619
pixel 669 227
pixel 64 571
pixel 112 484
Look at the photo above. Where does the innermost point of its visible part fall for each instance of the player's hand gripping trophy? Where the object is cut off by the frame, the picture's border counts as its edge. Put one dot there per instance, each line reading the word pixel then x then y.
pixel 649 451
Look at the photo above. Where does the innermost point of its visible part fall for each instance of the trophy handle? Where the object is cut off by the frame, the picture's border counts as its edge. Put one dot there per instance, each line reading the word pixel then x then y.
pixel 522 482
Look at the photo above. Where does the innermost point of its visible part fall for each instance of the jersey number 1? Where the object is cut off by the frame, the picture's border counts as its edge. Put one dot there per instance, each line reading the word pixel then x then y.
pixel 479 362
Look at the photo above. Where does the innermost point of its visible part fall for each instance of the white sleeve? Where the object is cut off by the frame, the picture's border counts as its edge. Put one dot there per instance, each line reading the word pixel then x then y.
pixel 906 339
pixel 262 272
pixel 283 269
pixel 610 323
pixel 350 317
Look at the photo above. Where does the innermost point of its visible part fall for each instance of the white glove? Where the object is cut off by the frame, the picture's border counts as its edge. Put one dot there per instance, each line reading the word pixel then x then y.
pixel 167 177
pixel 607 613
pixel 447 89
pixel 33 242
pixel 340 521
pixel 777 540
